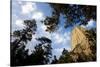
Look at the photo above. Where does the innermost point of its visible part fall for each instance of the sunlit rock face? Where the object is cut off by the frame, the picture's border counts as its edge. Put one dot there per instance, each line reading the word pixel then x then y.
pixel 78 36
pixel 83 45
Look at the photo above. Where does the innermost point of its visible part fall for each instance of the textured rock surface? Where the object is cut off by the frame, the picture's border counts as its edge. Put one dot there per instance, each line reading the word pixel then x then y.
pixel 82 46
pixel 78 36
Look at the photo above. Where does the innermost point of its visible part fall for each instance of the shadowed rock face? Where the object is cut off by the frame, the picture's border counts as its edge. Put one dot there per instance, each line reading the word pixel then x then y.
pixel 83 49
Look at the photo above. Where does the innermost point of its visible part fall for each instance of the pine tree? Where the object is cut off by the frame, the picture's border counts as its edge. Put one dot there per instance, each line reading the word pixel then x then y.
pixel 42 52
pixel 19 39
pixel 72 14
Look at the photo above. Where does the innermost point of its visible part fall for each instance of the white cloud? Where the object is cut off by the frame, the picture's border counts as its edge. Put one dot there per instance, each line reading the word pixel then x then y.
pixel 19 23
pixel 28 7
pixel 61 38
pixel 38 16
pixel 58 38
pixel 57 52
pixel 43 27
pixel 41 30
pixel 91 24
pixel 31 7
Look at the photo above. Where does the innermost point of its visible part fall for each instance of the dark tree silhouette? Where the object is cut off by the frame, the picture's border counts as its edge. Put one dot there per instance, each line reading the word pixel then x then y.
pixel 19 40
pixel 42 52
pixel 73 14
pixel 19 56
pixel 65 57
pixel 54 61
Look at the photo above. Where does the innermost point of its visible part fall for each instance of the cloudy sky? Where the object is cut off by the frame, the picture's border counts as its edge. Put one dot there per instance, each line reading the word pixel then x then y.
pixel 22 10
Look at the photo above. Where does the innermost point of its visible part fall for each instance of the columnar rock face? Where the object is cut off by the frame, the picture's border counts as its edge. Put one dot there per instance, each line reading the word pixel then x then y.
pixel 82 46
pixel 78 36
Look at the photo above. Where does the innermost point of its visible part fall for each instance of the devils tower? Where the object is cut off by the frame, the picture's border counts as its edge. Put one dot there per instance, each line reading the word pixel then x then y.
pixel 83 45
pixel 78 36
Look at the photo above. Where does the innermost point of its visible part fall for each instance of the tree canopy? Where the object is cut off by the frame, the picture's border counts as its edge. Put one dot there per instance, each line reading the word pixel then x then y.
pixel 42 52
pixel 73 14
pixel 40 55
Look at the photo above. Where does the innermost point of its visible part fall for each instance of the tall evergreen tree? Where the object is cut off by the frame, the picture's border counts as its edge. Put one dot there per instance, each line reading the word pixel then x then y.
pixel 42 52
pixel 19 39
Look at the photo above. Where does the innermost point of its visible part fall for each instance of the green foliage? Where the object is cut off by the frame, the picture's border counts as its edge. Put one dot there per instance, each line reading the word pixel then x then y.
pixel 65 57
pixel 44 40
pixel 41 55
pixel 18 52
pixel 73 14
pixel 42 52
pixel 19 56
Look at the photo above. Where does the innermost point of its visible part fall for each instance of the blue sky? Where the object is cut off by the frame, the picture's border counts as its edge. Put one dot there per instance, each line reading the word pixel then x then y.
pixel 22 10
